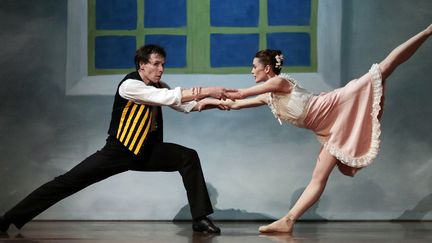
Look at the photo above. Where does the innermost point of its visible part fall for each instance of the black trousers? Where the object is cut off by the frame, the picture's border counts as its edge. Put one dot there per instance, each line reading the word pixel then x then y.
pixel 113 159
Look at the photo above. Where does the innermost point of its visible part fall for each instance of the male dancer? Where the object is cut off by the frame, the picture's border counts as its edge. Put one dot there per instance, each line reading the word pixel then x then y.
pixel 134 143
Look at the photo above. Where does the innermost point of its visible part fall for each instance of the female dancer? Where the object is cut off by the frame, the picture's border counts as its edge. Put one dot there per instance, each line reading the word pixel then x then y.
pixel 345 120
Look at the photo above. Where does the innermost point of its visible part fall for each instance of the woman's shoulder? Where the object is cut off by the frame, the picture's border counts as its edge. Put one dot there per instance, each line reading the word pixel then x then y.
pixel 287 77
pixel 281 84
pixel 279 79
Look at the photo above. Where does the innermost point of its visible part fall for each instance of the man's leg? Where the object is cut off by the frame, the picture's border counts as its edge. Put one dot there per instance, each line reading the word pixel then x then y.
pixel 97 167
pixel 174 157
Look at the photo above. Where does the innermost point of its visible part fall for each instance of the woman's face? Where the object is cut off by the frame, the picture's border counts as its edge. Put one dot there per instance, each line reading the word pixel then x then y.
pixel 260 71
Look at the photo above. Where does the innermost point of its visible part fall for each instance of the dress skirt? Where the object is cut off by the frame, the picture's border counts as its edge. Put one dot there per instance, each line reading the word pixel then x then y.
pixel 346 120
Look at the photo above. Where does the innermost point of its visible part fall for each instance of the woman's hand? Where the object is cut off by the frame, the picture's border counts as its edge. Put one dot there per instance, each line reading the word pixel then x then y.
pixel 234 95
pixel 207 103
pixel 219 92
pixel 226 105
pixel 211 103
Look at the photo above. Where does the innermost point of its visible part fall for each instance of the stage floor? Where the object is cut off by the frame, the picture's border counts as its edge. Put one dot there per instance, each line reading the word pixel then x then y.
pixel 244 232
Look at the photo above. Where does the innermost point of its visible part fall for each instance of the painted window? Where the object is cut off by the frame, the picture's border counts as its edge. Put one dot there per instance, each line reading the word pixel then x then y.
pixel 201 36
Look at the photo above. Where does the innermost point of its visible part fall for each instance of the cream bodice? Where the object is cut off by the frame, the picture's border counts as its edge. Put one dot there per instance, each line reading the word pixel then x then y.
pixel 291 107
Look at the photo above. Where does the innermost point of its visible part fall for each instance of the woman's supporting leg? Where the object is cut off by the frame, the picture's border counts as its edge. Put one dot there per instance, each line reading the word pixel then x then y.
pixel 324 166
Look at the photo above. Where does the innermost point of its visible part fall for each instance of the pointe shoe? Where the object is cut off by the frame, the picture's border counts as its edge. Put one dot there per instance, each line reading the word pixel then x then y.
pixel 4 224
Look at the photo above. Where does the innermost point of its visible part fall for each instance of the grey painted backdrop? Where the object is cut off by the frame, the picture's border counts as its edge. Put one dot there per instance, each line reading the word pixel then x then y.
pixel 255 168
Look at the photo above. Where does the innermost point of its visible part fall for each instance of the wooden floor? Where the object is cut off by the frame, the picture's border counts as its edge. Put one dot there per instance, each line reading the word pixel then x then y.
pixel 243 232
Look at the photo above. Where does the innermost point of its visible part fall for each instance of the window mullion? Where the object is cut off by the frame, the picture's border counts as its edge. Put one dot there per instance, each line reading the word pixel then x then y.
pixel 199 35
pixel 140 32
pixel 263 24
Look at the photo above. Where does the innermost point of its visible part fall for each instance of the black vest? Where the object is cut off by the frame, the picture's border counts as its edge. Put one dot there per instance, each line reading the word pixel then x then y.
pixel 132 123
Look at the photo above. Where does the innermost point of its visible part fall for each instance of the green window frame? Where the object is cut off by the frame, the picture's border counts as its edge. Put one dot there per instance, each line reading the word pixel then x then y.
pixel 198 32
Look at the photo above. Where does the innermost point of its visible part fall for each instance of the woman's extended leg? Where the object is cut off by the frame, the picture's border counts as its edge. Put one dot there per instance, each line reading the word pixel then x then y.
pixel 324 166
pixel 403 52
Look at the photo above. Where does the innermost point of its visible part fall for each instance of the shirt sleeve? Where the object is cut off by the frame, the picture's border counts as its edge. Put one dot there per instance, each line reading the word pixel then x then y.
pixel 185 107
pixel 140 93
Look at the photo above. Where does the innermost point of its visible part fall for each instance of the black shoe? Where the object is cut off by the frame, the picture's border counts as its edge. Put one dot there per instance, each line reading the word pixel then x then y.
pixel 205 225
pixel 4 224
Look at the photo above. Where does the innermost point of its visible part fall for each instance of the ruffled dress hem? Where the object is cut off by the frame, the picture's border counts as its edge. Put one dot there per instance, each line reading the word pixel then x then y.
pixel 367 158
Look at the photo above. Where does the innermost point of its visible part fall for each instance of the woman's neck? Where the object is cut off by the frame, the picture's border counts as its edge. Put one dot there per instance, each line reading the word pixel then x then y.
pixel 271 75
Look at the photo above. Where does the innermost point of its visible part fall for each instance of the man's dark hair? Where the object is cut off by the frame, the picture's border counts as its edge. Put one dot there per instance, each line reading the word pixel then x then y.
pixel 144 52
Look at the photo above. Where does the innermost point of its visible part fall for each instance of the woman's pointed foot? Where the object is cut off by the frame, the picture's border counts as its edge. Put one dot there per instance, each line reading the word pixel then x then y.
pixel 283 225
pixel 429 30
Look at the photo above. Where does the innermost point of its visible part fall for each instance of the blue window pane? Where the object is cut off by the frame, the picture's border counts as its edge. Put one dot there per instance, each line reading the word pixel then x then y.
pixel 234 13
pixel 114 51
pixel 116 14
pixel 294 46
pixel 165 13
pixel 289 12
pixel 233 50
pixel 175 47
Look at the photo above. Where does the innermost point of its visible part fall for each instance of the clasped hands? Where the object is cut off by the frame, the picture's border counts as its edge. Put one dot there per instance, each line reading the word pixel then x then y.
pixel 222 93
pixel 221 98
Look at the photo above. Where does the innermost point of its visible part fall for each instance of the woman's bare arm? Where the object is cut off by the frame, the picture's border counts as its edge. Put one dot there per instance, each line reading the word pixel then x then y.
pixel 276 84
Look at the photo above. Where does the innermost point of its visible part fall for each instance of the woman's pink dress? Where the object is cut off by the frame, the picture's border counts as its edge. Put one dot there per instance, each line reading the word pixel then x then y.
pixel 344 120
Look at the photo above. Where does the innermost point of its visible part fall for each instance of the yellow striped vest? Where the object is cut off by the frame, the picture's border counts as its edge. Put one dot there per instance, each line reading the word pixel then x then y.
pixel 132 124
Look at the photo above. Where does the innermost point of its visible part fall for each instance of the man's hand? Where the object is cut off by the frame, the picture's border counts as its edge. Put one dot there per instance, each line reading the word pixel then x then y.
pixel 220 93
pixel 234 94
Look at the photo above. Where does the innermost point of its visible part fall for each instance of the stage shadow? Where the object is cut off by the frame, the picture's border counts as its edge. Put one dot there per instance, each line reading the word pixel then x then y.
pixel 421 209
pixel 221 214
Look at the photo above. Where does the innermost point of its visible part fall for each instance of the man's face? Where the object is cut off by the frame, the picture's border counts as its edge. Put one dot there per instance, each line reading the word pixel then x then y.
pixel 153 70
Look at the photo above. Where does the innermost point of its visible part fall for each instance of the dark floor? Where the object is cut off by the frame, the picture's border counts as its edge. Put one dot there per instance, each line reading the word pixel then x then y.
pixel 244 232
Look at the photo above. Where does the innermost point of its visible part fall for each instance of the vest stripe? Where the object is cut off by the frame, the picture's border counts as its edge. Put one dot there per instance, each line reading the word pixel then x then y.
pixel 135 121
pixel 140 127
pixel 128 121
pixel 141 141
pixel 125 111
